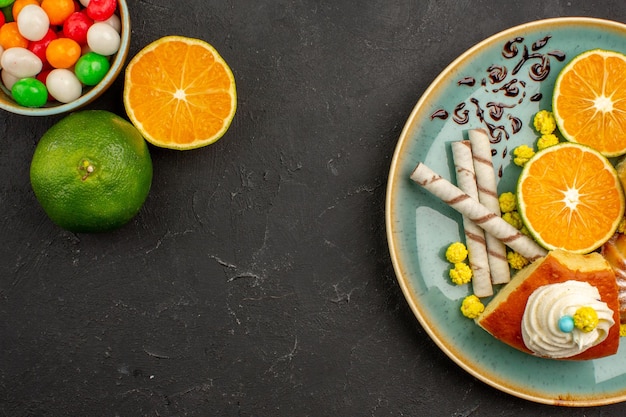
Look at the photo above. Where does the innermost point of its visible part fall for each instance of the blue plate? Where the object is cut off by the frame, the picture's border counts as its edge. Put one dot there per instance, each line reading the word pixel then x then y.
pixel 497 85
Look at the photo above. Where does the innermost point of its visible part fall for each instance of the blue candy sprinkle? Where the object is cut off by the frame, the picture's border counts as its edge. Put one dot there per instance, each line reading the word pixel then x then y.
pixel 566 324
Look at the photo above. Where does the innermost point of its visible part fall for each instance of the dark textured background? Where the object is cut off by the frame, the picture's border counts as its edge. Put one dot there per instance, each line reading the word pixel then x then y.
pixel 256 280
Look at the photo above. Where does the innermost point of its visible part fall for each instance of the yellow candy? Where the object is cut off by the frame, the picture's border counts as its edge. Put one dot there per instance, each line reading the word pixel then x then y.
pixel 508 202
pixel 585 319
pixel 461 273
pixel 456 252
pixel 471 307
pixel 544 122
pixel 522 154
pixel 516 260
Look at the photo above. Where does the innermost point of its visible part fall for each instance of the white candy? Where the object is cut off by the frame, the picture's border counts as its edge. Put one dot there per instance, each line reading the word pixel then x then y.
pixel 33 22
pixel 84 2
pixel 8 79
pixel 1 52
pixel 63 85
pixel 115 22
pixel 21 62
pixel 103 39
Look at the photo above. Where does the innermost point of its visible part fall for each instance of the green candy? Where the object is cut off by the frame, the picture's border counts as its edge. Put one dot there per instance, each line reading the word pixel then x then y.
pixel 7 11
pixel 4 3
pixel 30 92
pixel 91 68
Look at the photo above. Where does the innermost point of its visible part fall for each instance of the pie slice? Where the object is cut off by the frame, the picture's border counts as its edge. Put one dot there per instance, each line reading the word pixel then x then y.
pixel 504 314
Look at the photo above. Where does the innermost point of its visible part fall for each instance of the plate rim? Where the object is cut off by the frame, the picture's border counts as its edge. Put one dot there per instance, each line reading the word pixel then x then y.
pixel 575 400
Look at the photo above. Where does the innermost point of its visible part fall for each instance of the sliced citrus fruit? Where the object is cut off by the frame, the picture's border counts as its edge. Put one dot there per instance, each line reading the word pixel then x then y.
pixel 589 101
pixel 180 93
pixel 570 198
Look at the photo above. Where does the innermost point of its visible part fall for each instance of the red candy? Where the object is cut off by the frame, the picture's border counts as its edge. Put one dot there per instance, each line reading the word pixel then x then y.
pixel 76 27
pixel 101 9
pixel 43 76
pixel 39 47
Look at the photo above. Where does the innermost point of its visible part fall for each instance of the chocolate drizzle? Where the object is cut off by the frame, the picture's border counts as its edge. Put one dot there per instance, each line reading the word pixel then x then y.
pixel 516 124
pixel 538 44
pixel 510 49
pixel 469 81
pixel 461 115
pixel 496 110
pixel 439 114
pixel 506 82
pixel 511 89
pixel 497 73
pixel 539 71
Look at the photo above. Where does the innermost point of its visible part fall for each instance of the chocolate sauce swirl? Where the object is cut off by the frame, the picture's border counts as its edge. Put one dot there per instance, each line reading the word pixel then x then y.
pixel 497 73
pixel 510 49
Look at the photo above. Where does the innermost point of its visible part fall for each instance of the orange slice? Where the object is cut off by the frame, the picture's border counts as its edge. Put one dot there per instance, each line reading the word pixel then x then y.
pixel 589 101
pixel 180 93
pixel 570 198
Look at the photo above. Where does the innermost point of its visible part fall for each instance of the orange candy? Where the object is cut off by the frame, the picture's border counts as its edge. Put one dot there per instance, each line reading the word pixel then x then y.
pixel 10 36
pixel 58 10
pixel 63 52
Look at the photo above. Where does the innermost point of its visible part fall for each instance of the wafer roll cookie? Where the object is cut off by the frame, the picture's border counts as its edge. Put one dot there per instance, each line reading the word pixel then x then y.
pixel 474 234
pixel 489 221
pixel 488 196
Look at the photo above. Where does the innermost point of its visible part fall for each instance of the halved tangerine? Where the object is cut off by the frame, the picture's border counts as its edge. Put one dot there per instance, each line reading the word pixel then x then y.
pixel 589 101
pixel 570 198
pixel 180 93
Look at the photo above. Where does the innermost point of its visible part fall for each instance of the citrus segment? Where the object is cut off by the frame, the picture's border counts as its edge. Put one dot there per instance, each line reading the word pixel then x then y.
pixel 91 171
pixel 180 93
pixel 570 198
pixel 589 101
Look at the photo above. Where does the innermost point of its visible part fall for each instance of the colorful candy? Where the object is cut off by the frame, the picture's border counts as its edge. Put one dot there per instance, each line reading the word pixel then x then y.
pixel 51 49
pixel 63 85
pixel 63 52
pixel 8 79
pixel 10 36
pixel 103 38
pixel 58 10
pixel 101 9
pixel 76 26
pixel 19 5
pixel 39 47
pixel 33 23
pixel 91 68
pixel 20 62
pixel 115 22
pixel 30 92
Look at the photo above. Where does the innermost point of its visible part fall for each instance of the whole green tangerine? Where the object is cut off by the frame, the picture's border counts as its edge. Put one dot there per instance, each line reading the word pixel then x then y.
pixel 91 171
